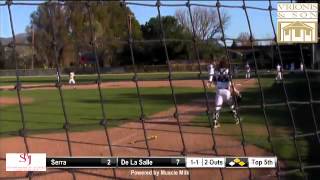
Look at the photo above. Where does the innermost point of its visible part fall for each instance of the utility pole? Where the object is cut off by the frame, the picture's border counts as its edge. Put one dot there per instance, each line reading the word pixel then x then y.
pixel 313 56
pixel 130 22
pixel 272 56
pixel 32 60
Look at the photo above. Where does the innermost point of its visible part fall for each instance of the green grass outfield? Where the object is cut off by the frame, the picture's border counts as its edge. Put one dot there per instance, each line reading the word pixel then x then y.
pixel 83 106
pixel 11 80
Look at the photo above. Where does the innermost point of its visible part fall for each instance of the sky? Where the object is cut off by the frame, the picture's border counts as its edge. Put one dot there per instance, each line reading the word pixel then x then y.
pixel 260 20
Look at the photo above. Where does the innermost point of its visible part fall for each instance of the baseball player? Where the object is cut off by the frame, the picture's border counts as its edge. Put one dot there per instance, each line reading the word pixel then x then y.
pixel 291 67
pixel 301 66
pixel 279 73
pixel 248 70
pixel 58 78
pixel 210 73
pixel 224 92
pixel 236 71
pixel 71 79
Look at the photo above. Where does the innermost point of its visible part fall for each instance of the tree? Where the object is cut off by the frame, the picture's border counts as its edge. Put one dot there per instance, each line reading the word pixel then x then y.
pixel 73 31
pixel 234 44
pixel 112 20
pixel 43 35
pixel 2 56
pixel 151 30
pixel 244 39
pixel 206 21
pixel 173 30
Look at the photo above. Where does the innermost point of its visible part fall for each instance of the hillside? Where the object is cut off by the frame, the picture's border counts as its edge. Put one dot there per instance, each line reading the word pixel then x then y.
pixel 20 38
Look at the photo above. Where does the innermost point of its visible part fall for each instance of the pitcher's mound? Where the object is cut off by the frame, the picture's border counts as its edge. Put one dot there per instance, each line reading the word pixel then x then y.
pixel 5 101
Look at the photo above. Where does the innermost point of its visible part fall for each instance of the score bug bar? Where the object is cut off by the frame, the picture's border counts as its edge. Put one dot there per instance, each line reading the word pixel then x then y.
pixel 39 162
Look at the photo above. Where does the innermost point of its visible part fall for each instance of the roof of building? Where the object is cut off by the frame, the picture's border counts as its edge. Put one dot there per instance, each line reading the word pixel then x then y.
pixel 297 25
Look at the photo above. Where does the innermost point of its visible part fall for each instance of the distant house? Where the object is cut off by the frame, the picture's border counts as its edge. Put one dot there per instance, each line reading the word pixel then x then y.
pixel 297 31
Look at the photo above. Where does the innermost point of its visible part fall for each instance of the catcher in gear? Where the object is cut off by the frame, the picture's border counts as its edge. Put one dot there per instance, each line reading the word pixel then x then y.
pixel 225 92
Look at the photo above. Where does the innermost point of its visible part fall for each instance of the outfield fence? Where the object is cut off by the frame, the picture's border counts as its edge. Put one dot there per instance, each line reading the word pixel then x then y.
pixel 104 70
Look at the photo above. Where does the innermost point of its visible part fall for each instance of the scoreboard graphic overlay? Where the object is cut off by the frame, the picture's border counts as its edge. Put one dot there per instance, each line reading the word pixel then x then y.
pixel 14 163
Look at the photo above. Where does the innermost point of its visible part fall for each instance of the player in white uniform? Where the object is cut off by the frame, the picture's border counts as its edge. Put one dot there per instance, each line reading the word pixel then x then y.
pixel 248 70
pixel 71 79
pixel 279 73
pixel 210 73
pixel 301 66
pixel 224 92
pixel 58 78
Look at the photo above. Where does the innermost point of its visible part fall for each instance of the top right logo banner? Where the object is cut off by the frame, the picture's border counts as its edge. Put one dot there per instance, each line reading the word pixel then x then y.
pixel 297 23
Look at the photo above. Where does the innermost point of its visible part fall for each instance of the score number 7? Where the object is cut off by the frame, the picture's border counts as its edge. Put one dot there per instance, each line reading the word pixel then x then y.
pixel 178 160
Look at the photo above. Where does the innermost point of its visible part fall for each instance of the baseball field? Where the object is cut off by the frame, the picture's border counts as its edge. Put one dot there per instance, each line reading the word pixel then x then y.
pixel 44 121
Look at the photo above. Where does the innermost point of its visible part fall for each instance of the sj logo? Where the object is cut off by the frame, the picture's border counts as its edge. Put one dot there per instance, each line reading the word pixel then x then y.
pixel 25 162
pixel 25 158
